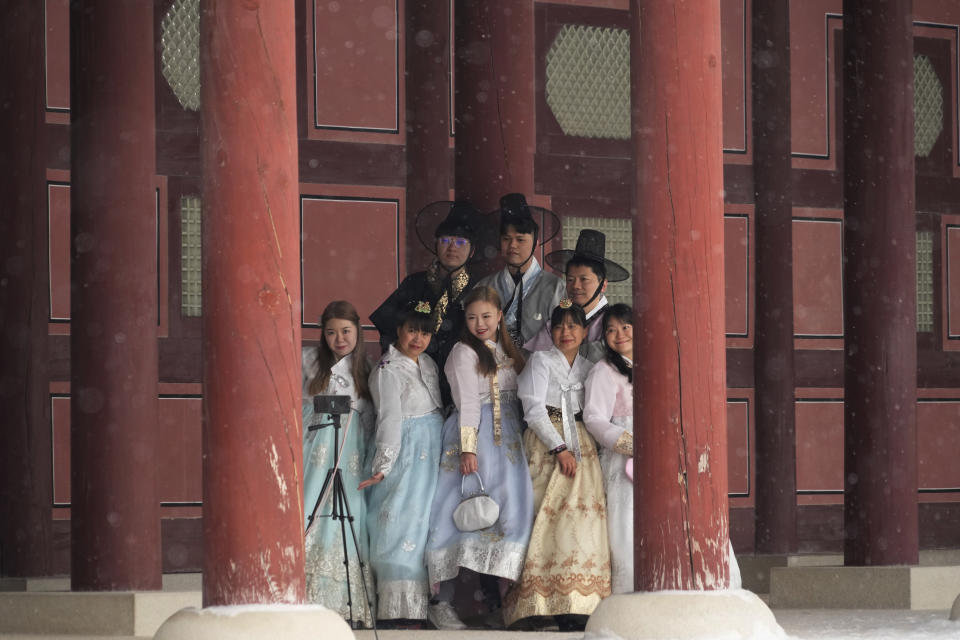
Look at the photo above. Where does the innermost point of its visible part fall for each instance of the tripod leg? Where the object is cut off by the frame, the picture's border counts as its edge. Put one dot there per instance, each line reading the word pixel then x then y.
pixel 323 490
pixel 356 548
pixel 339 501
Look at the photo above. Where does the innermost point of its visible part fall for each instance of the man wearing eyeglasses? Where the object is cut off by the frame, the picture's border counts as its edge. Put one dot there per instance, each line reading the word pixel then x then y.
pixel 444 284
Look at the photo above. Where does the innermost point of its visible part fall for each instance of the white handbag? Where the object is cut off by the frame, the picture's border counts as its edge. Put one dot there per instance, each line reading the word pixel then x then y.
pixel 477 511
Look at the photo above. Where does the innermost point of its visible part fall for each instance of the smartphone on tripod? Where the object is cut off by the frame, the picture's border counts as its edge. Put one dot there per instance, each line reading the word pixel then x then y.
pixel 333 405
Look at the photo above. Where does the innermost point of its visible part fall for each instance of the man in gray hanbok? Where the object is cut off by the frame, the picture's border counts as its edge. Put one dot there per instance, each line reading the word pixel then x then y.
pixel 529 293
pixel 587 271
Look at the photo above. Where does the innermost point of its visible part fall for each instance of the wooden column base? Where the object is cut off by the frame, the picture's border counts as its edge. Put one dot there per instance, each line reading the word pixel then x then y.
pixel 684 615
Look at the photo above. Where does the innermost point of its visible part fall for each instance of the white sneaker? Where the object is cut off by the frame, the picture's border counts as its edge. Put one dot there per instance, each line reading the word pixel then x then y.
pixel 443 616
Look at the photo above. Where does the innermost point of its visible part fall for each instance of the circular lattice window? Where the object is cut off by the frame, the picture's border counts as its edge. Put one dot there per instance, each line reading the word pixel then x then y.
pixel 927 106
pixel 180 51
pixel 588 81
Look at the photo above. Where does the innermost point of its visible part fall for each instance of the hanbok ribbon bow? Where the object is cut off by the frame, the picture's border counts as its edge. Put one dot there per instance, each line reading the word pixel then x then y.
pixel 570 435
pixel 340 381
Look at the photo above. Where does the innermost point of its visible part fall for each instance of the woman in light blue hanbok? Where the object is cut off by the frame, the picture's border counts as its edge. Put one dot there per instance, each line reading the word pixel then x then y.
pixel 482 441
pixel 405 386
pixel 337 366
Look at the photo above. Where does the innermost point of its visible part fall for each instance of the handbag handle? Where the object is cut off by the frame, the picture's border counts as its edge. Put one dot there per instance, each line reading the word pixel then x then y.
pixel 463 478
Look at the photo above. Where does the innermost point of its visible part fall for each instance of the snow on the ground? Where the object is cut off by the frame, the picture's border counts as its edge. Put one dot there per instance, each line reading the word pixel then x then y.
pixel 826 624
pixel 799 624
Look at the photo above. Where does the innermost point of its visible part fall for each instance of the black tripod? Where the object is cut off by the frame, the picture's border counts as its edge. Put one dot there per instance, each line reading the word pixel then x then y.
pixel 335 406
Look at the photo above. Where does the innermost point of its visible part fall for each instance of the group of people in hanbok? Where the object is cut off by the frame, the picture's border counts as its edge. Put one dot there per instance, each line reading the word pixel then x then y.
pixel 518 386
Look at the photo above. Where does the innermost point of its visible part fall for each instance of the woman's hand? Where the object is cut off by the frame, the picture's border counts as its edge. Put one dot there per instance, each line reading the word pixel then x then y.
pixel 568 463
pixel 468 463
pixel 372 480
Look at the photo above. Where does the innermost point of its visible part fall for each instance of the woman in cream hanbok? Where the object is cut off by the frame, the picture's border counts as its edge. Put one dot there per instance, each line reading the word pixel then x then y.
pixel 337 366
pixel 567 569
pixel 608 416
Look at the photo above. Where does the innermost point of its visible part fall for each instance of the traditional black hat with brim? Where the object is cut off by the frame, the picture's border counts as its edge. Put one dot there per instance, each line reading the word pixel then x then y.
pixel 515 211
pixel 447 218
pixel 591 245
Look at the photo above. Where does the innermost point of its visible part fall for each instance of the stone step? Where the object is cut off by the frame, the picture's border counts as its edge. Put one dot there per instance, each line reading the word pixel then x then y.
pixel 838 587
pixel 116 613
pixel 755 569
pixel 171 582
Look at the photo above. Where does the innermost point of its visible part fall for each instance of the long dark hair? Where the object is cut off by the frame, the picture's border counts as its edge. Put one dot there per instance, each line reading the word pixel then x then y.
pixel 487 364
pixel 623 313
pixel 360 369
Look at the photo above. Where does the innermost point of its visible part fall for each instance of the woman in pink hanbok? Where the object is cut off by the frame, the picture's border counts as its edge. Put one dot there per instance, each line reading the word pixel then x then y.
pixel 608 416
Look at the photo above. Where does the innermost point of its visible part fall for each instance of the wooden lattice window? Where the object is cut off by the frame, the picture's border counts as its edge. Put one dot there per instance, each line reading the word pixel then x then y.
pixel 191 257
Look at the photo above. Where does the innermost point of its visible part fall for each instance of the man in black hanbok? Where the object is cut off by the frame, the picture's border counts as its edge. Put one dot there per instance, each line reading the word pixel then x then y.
pixel 449 230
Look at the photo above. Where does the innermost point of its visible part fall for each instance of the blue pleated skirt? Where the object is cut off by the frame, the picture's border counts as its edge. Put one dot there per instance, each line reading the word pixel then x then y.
pixel 498 550
pixel 398 517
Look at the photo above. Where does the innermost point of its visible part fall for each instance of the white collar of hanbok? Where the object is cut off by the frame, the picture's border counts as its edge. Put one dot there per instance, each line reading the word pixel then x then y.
pixel 395 355
pixel 341 375
pixel 531 274
pixel 343 365
pixel 499 353
pixel 601 305
pixel 427 374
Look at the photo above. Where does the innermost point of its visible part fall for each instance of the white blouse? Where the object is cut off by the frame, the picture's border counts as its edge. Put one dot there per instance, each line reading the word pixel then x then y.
pixel 548 380
pixel 341 383
pixel 341 376
pixel 471 390
pixel 609 400
pixel 401 388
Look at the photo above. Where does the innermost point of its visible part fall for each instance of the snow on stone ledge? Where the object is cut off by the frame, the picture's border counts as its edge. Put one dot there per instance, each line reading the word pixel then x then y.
pixel 729 614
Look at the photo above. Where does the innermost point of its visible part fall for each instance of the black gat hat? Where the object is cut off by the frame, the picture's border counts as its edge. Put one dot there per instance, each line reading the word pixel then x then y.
pixel 591 245
pixel 515 211
pixel 445 218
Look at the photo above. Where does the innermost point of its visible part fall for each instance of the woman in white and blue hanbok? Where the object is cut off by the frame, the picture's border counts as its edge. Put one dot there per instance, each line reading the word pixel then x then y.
pixel 325 372
pixel 406 392
pixel 486 426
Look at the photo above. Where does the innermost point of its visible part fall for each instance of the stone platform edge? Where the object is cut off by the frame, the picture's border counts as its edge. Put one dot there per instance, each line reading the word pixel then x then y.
pixel 839 587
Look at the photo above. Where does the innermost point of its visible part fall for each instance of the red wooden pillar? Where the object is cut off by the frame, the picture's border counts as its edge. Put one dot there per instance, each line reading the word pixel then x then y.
pixel 113 348
pixel 880 363
pixel 252 511
pixel 494 100
pixel 429 157
pixel 776 464
pixel 681 522
pixel 25 476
